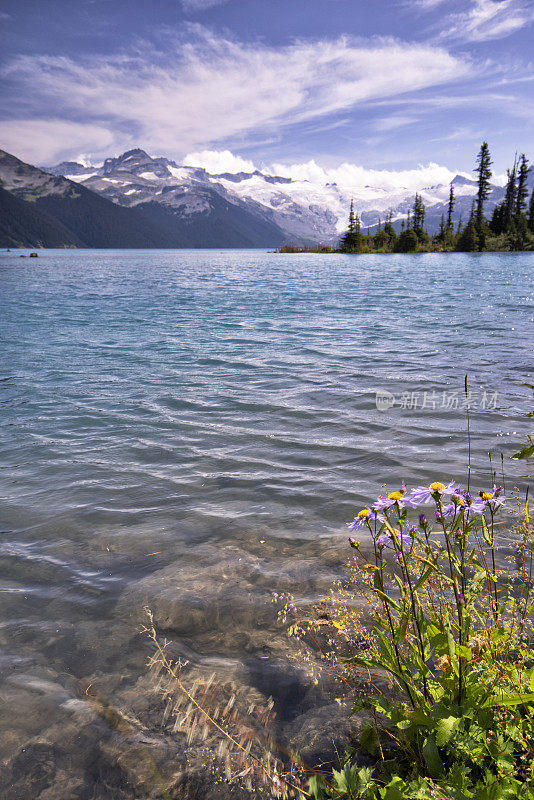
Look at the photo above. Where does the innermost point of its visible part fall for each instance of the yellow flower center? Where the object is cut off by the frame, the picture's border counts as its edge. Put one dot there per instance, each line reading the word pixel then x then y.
pixel 436 487
pixel 486 495
pixel 395 496
pixel 457 500
pixel 364 513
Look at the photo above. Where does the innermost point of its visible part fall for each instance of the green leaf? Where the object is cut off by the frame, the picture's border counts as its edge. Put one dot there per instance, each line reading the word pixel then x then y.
pixel 509 700
pixel 316 787
pixel 369 738
pixel 433 762
pixel 400 632
pixel 445 729
pixel 527 451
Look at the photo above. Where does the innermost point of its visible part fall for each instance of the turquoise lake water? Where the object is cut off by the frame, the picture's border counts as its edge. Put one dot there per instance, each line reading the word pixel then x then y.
pixel 159 404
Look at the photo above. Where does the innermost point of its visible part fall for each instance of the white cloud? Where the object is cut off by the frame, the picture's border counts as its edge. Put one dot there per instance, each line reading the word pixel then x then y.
pixel 348 177
pixel 218 161
pixel 192 6
pixel 193 94
pixel 353 178
pixel 47 141
pixel 489 19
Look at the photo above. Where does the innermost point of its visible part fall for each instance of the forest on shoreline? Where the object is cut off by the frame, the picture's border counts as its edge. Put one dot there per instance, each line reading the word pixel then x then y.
pixel 510 227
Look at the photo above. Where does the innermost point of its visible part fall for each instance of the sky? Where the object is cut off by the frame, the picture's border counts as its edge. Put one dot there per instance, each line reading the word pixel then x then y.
pixel 296 86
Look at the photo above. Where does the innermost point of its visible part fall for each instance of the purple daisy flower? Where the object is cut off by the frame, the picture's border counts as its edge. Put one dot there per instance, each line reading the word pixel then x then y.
pixel 422 495
pixel 393 498
pixel 498 499
pixel 476 507
pixel 364 516
pixel 384 540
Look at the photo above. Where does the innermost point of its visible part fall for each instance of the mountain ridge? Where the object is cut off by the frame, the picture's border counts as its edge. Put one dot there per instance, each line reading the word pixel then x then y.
pixel 305 211
pixel 40 206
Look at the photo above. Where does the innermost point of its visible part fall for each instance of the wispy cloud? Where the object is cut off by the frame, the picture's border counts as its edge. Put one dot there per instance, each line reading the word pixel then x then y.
pixel 488 19
pixel 210 88
pixel 192 6
pixel 46 141
pixel 348 176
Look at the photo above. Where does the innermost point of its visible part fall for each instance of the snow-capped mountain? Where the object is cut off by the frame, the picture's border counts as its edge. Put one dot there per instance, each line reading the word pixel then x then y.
pixel 304 211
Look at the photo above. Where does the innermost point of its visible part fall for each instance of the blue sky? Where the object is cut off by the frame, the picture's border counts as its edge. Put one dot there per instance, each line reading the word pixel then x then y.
pixel 384 84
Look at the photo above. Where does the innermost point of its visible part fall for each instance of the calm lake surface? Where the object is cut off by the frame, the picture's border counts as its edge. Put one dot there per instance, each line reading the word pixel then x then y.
pixel 160 407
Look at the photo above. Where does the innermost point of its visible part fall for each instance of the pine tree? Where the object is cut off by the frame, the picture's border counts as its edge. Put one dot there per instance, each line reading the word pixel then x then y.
pixel 468 240
pixel 450 209
pixel 407 242
pixel 390 230
pixel 531 213
pixel 483 171
pixel 442 230
pixel 419 216
pixel 503 213
pixel 522 187
pixel 351 241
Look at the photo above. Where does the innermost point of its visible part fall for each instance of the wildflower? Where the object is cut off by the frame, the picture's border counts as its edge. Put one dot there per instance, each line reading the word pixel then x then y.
pixel 422 495
pixel 476 507
pixel 386 502
pixel 413 530
pixel 383 540
pixel 363 516
pixel 405 539
pixel 461 599
pixel 498 499
pixel 353 543
pixel 423 522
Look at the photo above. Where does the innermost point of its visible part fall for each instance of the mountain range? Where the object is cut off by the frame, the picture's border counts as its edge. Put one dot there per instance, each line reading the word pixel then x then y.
pixel 136 200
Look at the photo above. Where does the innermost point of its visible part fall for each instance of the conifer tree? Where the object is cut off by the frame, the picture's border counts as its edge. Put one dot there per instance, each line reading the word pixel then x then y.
pixel 483 171
pixel 531 213
pixel 503 213
pixel 450 209
pixel 418 216
pixel 468 240
pixel 442 229
pixel 351 241
pixel 390 230
pixel 522 187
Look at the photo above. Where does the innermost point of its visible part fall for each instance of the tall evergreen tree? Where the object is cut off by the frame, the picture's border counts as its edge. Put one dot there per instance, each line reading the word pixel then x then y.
pixel 390 230
pixel 531 213
pixel 468 240
pixel 352 240
pixel 483 171
pixel 522 187
pixel 419 216
pixel 442 229
pixel 503 213
pixel 450 209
